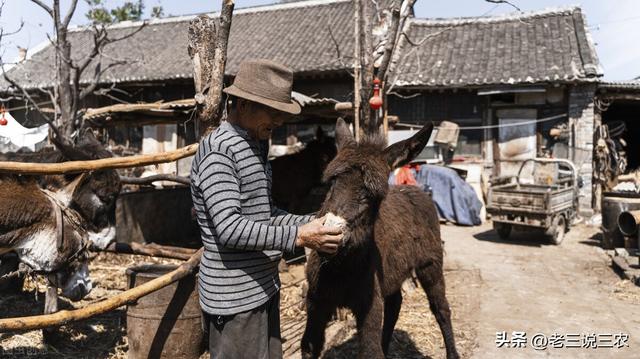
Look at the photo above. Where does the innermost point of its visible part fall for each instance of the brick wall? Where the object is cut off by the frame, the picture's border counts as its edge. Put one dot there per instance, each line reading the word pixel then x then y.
pixel 581 119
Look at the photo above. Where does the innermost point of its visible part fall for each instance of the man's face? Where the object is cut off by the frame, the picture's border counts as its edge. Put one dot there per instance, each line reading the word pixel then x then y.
pixel 260 120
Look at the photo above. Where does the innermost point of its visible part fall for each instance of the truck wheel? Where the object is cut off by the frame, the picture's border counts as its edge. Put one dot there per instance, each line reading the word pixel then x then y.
pixel 503 229
pixel 558 229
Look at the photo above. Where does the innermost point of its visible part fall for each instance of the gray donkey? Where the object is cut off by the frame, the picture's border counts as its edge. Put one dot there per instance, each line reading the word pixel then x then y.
pixel 389 233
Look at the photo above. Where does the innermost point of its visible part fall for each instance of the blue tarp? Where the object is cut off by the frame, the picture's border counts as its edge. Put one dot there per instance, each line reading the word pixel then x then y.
pixel 455 199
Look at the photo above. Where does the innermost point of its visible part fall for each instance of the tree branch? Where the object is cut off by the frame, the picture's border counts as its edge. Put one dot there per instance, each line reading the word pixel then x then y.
pixel 338 52
pixel 391 41
pixel 99 36
pixel 98 73
pixel 132 33
pixel 26 95
pixel 503 2
pixel 44 6
pixel 72 9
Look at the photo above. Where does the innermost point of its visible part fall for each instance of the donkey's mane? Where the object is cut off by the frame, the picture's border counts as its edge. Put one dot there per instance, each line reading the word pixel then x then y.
pixel 375 140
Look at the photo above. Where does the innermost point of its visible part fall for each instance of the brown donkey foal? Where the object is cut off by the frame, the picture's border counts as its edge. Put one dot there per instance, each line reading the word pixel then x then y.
pixel 389 233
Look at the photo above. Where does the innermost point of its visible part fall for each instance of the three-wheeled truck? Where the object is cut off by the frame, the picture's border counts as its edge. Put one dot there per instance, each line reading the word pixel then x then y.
pixel 547 199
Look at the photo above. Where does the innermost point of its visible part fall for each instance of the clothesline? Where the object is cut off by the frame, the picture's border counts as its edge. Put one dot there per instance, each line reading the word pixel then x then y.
pixel 486 127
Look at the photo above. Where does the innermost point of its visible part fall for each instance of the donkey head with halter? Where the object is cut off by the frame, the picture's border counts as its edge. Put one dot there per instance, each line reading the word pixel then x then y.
pixel 51 222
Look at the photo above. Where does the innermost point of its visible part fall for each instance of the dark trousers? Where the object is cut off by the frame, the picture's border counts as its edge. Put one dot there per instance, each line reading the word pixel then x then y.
pixel 253 335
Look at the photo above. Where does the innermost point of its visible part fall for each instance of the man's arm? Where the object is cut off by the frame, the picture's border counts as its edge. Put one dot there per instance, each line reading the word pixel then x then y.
pixel 280 217
pixel 220 188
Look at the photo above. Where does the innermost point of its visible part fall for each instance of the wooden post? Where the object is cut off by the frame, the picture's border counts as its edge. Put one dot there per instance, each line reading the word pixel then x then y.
pixel 596 199
pixel 50 306
pixel 385 119
pixel 366 59
pixel 356 71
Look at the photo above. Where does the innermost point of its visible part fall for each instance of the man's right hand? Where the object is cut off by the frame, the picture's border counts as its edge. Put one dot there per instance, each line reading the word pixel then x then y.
pixel 314 235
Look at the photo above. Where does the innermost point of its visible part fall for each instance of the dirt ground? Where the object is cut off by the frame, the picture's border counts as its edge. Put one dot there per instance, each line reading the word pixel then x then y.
pixel 519 285
pixel 532 287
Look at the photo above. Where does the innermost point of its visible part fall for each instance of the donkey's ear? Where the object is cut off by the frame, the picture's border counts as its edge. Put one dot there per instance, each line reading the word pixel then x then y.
pixel 69 190
pixel 343 134
pixel 68 151
pixel 401 153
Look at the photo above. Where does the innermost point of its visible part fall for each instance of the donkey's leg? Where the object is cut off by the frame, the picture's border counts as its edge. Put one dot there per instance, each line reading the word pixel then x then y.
pixel 318 315
pixel 392 304
pixel 432 280
pixel 369 322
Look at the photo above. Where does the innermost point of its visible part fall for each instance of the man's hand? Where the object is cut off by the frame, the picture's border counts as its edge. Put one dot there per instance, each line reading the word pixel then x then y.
pixel 314 235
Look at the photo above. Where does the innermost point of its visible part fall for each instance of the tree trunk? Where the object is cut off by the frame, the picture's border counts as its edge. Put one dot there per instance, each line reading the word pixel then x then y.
pixel 367 68
pixel 208 39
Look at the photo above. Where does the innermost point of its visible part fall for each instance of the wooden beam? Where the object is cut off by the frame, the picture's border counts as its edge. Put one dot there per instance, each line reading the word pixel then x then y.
pixel 148 250
pixel 620 96
pixel 94 165
pixel 150 179
pixel 126 297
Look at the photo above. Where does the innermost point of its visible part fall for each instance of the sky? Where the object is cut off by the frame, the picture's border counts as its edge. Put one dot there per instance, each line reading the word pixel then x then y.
pixel 614 24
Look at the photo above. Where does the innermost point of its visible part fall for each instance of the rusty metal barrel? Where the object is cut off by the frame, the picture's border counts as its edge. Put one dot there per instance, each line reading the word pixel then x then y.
pixel 612 205
pixel 167 322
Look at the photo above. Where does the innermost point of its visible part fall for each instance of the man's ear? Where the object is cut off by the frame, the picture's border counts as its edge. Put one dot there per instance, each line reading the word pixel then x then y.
pixel 241 104
pixel 403 152
pixel 343 134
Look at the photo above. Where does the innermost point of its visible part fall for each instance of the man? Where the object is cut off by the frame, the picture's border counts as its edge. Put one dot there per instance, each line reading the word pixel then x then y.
pixel 243 234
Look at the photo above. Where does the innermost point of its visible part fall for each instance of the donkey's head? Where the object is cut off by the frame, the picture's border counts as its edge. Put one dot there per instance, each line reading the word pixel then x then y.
pixel 94 195
pixel 359 174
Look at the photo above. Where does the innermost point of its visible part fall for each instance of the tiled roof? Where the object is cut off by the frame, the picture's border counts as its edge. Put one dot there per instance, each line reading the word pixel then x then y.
pixel 551 45
pixel 547 46
pixel 295 34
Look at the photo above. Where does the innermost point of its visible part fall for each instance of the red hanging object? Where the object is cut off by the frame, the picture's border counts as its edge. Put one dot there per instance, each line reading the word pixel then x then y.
pixel 3 120
pixel 376 101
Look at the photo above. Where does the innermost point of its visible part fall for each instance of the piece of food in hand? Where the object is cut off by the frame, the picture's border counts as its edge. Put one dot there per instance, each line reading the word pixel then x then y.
pixel 331 220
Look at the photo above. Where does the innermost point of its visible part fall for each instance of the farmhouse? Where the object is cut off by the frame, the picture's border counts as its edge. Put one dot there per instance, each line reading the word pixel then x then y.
pixel 533 72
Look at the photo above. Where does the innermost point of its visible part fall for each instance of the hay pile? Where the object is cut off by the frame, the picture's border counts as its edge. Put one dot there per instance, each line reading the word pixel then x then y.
pixel 103 336
pixel 417 334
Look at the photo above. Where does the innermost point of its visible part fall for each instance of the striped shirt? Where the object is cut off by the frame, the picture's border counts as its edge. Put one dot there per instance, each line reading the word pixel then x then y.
pixel 242 233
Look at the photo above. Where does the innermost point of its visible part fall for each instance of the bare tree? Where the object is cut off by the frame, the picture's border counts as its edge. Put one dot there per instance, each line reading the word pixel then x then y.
pixel 67 92
pixel 377 32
